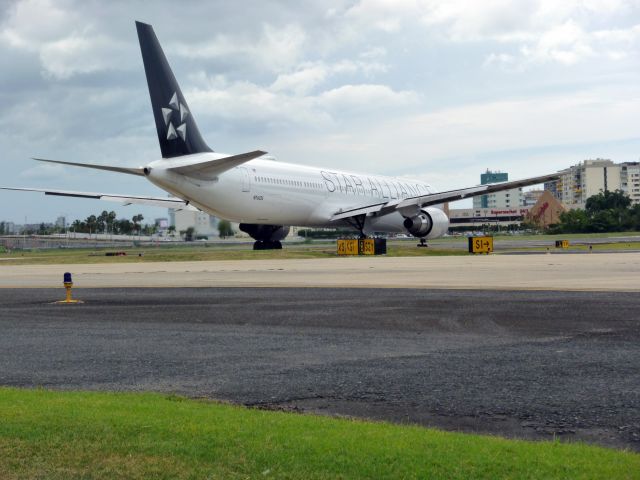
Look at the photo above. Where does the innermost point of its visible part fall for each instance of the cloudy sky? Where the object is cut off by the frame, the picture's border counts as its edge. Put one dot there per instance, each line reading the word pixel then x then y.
pixel 440 90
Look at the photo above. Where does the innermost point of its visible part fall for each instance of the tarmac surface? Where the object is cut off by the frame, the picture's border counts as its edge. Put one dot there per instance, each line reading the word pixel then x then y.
pixel 601 272
pixel 523 364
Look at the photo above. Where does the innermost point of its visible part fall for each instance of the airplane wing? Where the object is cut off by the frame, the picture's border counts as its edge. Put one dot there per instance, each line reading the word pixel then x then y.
pixel 422 201
pixel 169 202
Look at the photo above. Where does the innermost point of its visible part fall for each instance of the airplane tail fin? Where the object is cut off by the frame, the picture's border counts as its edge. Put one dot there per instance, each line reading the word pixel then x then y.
pixel 178 133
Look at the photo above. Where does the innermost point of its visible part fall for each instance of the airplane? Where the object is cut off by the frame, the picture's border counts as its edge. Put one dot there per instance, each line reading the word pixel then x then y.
pixel 263 195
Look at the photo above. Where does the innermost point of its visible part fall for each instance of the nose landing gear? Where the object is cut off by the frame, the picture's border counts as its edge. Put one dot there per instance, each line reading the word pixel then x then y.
pixel 423 243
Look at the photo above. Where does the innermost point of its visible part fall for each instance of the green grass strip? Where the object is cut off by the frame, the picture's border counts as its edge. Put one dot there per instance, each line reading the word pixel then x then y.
pixel 62 435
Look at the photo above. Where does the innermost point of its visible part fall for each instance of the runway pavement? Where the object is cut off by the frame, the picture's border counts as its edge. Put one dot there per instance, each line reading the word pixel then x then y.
pixel 598 272
pixel 525 364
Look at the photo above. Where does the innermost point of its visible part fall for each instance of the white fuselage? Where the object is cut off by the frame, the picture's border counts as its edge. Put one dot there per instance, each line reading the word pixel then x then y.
pixel 264 191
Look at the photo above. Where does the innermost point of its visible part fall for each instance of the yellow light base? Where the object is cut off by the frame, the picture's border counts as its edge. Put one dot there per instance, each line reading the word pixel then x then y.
pixel 68 286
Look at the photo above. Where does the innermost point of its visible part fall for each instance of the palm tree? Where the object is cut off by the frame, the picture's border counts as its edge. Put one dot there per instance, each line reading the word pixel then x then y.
pixel 136 219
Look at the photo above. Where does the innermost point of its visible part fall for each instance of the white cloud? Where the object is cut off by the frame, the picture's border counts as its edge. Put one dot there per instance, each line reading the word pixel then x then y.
pixel 276 49
pixel 567 44
pixel 303 80
pixel 31 23
pixel 589 116
pixel 313 74
pixel 43 172
pixel 79 53
pixel 534 31
pixel 366 98
pixel 65 44
pixel 275 105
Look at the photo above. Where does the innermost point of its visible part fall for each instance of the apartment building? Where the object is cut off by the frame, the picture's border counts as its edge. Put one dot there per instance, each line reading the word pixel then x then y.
pixel 590 177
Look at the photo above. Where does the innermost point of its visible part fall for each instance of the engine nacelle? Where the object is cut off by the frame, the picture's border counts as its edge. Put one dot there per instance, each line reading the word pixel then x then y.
pixel 429 223
pixel 265 233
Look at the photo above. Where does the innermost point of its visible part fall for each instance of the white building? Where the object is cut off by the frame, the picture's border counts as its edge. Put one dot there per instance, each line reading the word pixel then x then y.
pixel 10 228
pixel 630 180
pixel 500 200
pixel 478 217
pixel 204 224
pixel 590 177
pixel 530 198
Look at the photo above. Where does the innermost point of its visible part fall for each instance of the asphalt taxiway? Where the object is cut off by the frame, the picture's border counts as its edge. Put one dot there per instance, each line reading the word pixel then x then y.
pixel 524 364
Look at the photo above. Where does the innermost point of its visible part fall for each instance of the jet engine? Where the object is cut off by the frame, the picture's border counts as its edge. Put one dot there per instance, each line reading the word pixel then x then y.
pixel 429 223
pixel 267 236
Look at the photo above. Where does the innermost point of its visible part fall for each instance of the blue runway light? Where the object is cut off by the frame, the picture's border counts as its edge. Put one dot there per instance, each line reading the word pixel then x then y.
pixel 68 284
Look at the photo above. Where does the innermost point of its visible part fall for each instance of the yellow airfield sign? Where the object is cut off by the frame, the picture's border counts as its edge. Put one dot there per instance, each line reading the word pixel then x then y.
pixel 347 247
pixel 480 244
pixel 362 246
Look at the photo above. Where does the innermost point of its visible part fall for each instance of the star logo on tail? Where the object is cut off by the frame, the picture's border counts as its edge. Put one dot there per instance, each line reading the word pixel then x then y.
pixel 175 110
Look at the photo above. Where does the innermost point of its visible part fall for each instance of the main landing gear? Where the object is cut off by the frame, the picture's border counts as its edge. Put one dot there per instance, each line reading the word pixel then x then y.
pixel 267 245
pixel 357 222
pixel 423 243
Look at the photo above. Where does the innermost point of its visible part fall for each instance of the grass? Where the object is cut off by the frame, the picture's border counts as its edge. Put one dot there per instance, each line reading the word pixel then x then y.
pixel 62 435
pixel 199 253
pixel 243 251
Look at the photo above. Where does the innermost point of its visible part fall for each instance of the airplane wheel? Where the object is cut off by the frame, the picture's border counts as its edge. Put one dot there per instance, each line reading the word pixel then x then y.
pixel 266 245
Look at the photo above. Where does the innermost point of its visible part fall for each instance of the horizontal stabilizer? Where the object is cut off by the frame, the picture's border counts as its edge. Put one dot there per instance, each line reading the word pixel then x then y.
pixel 176 203
pixel 130 171
pixel 210 169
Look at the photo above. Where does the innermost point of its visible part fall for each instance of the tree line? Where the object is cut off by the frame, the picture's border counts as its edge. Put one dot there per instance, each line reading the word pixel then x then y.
pixel 605 212
pixel 107 222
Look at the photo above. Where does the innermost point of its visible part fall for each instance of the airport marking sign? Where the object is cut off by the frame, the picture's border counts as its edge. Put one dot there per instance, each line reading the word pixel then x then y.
pixel 480 244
